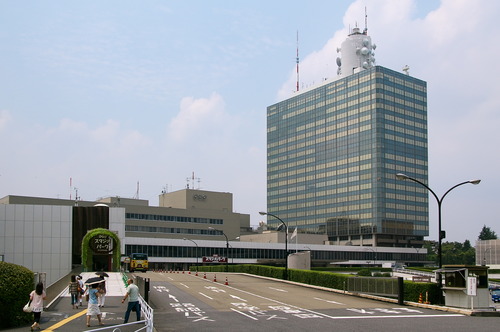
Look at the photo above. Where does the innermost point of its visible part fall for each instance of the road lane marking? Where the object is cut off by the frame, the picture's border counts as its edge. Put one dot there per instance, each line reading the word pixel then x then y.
pixel 65 321
pixel 342 317
pixel 278 289
pixel 333 317
pixel 208 297
pixel 184 285
pixel 238 298
pixel 398 316
pixel 244 314
pixel 329 301
pixel 161 289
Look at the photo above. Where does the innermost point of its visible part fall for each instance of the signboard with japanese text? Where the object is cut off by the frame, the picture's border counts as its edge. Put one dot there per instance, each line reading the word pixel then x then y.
pixel 472 286
pixel 214 259
pixel 101 244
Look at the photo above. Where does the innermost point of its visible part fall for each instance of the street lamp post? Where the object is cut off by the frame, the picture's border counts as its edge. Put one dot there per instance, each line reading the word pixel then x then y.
pixel 286 239
pixel 227 246
pixel 197 252
pixel 374 255
pixel 441 236
pixel 484 255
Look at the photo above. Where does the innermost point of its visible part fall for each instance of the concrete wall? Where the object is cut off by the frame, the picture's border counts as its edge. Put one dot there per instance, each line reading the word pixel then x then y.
pixel 300 260
pixel 37 237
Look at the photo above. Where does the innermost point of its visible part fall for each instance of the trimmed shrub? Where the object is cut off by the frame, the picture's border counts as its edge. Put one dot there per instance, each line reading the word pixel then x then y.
pixel 16 284
pixel 414 289
pixel 364 273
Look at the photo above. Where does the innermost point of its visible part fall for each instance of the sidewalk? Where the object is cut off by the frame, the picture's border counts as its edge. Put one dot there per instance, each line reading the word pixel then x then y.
pixel 60 316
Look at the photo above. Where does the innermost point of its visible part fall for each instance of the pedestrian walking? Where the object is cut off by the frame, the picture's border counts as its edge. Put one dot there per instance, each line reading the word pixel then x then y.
pixel 133 300
pixel 93 307
pixel 102 292
pixel 81 289
pixel 36 297
pixel 73 290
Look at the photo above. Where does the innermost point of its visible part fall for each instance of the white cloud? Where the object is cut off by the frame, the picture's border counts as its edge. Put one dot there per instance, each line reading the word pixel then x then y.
pixel 197 116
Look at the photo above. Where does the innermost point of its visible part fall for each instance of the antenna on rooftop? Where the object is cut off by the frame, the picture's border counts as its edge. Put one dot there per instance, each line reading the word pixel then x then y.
pixel 136 196
pixel 297 60
pixel 366 23
pixel 192 179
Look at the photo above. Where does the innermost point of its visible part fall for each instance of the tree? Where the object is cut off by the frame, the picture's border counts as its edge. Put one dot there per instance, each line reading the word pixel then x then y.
pixel 452 252
pixel 487 234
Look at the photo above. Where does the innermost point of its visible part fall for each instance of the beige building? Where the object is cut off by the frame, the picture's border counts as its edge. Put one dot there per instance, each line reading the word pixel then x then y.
pixel 279 237
pixel 488 253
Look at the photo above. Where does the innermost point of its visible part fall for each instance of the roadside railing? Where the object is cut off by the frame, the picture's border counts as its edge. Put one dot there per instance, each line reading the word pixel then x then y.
pixel 146 313
pixel 377 286
pixel 415 272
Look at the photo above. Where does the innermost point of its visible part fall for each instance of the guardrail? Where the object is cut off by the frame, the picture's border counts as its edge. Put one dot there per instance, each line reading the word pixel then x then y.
pixel 415 272
pixel 147 313
pixel 376 286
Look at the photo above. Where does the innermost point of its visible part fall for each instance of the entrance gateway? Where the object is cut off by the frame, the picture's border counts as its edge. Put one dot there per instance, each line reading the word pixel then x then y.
pixel 101 250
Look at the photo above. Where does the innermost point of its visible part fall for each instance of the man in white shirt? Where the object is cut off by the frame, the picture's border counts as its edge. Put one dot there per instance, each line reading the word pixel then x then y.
pixel 133 300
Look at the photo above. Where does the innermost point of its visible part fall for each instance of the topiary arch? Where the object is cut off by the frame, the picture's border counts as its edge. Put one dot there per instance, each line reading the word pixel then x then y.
pixel 87 254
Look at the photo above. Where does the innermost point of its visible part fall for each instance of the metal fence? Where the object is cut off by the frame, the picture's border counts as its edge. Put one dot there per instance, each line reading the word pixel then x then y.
pixel 146 313
pixel 376 286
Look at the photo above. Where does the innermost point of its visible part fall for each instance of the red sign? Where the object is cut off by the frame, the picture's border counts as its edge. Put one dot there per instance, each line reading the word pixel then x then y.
pixel 214 259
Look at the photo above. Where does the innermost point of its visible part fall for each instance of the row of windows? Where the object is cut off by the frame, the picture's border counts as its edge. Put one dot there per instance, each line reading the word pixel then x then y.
pixel 170 230
pixel 255 253
pixel 157 217
pixel 412 110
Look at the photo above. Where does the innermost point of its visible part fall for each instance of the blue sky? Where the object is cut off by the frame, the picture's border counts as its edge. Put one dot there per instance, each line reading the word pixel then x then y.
pixel 111 93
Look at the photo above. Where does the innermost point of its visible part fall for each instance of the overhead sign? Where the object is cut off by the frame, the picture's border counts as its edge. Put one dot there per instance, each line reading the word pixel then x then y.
pixel 214 259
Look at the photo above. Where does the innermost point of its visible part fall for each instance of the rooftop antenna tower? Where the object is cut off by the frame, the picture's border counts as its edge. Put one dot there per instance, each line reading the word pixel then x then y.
pixel 297 60
pixel 366 23
pixel 192 179
pixel 136 196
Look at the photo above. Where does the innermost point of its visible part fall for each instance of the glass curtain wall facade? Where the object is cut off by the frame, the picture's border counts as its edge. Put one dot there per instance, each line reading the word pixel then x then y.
pixel 333 153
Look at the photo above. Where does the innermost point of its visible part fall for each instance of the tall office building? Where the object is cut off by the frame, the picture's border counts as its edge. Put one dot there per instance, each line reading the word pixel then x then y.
pixel 333 152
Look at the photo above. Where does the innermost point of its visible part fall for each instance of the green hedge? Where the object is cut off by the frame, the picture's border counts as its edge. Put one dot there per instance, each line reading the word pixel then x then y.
pixel 351 269
pixel 427 289
pixel 412 289
pixel 16 284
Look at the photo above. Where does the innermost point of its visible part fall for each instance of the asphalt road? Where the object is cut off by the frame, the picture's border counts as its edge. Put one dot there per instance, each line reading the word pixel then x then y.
pixel 185 302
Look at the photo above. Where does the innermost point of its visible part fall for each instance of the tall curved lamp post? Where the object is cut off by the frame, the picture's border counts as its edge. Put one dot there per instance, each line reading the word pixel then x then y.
pixel 227 246
pixel 197 254
pixel 286 239
pixel 374 255
pixel 401 176
pixel 484 255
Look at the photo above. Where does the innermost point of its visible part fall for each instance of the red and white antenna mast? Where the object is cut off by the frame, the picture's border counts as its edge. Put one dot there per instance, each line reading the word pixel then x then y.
pixel 297 60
